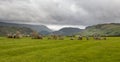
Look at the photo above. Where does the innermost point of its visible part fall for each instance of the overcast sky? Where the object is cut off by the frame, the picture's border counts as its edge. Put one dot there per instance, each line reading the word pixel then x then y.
pixel 60 13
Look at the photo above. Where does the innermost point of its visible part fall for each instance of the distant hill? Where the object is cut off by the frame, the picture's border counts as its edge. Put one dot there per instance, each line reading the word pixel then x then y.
pixel 112 29
pixel 38 28
pixel 8 29
pixel 68 31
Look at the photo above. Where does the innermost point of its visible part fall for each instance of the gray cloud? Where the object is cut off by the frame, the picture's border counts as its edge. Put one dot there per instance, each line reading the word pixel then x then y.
pixel 60 12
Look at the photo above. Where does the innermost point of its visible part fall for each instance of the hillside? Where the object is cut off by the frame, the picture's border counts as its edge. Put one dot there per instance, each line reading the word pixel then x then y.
pixel 8 29
pixel 68 31
pixel 38 28
pixel 112 29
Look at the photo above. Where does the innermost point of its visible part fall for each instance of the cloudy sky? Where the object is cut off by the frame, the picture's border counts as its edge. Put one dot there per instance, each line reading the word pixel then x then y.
pixel 60 13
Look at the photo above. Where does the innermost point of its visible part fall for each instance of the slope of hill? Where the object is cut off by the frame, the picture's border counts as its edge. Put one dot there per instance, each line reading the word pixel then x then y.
pixel 68 31
pixel 8 29
pixel 112 29
pixel 38 28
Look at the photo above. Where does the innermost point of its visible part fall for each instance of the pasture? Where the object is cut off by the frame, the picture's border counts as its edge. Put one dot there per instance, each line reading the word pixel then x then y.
pixel 35 50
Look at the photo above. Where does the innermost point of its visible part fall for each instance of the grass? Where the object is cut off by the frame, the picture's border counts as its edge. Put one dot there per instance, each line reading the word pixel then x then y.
pixel 34 50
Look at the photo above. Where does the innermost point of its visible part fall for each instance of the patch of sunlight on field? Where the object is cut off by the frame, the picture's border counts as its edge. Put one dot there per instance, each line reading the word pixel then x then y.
pixel 35 50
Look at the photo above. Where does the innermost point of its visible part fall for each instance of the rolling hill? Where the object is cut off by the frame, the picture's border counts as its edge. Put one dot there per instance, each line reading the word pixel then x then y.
pixel 9 29
pixel 68 31
pixel 112 29
pixel 38 28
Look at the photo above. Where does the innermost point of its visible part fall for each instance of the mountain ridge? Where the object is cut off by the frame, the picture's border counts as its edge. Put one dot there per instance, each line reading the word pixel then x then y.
pixel 108 29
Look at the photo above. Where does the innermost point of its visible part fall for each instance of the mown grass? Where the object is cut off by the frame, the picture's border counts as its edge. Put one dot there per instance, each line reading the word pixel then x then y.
pixel 34 50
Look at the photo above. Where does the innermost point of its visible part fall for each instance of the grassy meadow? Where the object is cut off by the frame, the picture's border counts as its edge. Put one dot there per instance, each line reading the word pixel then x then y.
pixel 35 50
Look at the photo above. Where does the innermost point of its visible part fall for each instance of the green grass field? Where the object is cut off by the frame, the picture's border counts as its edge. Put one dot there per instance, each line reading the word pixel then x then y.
pixel 34 50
